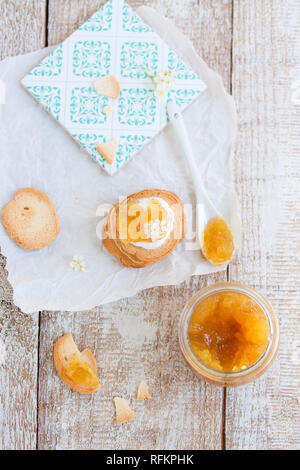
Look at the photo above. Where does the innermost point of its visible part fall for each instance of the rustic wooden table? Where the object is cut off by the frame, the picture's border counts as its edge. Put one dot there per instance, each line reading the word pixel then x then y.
pixel 255 46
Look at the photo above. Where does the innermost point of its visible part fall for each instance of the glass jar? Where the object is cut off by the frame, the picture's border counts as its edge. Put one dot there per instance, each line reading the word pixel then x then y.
pixel 229 379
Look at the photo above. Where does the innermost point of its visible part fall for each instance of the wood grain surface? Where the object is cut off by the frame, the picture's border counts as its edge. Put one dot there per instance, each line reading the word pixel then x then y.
pixel 255 46
pixel 133 339
pixel 22 26
pixel 22 29
pixel 266 62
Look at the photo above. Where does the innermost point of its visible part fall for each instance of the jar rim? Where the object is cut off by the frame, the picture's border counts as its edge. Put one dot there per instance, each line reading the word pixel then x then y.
pixel 228 378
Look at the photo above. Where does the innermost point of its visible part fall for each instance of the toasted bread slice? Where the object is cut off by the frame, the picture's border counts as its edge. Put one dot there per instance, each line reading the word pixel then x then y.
pixel 107 86
pixel 143 391
pixel 109 149
pixel 77 369
pixel 123 411
pixel 30 219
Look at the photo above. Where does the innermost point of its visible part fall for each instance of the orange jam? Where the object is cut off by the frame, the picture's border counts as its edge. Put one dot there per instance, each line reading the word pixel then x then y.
pixel 218 245
pixel 228 331
pixel 80 372
pixel 143 223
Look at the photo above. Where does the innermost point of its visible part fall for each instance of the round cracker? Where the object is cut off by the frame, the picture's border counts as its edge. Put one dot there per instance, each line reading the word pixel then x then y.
pixel 30 219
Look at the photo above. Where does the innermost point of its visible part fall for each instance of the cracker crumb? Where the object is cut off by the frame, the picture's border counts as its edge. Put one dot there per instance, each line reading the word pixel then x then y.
pixel 107 110
pixel 143 391
pixel 123 411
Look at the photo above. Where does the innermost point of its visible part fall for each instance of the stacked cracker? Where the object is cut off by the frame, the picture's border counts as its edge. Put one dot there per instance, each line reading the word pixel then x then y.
pixel 133 256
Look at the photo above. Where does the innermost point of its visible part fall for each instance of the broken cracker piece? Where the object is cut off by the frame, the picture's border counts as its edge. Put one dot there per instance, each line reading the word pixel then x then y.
pixel 77 369
pixel 107 110
pixel 123 411
pixel 143 391
pixel 109 149
pixel 107 86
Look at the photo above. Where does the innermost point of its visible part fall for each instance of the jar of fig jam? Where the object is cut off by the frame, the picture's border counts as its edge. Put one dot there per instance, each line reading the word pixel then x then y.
pixel 228 334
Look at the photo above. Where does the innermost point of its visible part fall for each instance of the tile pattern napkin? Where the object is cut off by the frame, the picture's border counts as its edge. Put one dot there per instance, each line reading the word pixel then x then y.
pixel 115 40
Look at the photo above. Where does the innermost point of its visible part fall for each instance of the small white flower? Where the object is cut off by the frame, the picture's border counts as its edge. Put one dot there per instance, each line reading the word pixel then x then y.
pixel 2 353
pixel 78 263
pixel 162 82
pixel 169 81
pixel 161 90
pixel 164 78
pixel 159 78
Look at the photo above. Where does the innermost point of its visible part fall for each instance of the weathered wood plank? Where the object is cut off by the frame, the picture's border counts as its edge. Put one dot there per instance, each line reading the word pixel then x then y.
pixel 135 338
pixel 65 17
pixel 18 379
pixel 22 27
pixel 266 64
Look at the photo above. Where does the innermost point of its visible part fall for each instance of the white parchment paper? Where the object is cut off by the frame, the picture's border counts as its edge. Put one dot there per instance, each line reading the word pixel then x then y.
pixel 36 152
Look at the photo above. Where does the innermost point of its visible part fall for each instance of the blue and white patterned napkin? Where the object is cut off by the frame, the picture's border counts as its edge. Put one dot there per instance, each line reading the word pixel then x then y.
pixel 115 40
